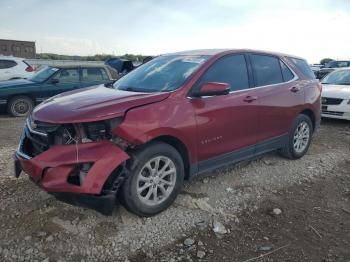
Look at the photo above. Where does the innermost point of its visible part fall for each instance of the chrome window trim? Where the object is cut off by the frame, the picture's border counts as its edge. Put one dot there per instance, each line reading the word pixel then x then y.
pixel 253 88
pixel 295 78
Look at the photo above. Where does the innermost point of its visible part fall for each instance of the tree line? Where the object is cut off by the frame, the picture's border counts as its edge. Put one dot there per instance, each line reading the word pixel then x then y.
pixel 97 57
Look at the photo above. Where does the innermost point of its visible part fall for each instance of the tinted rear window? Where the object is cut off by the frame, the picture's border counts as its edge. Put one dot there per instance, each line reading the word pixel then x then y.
pixel 267 70
pixel 7 64
pixel 303 66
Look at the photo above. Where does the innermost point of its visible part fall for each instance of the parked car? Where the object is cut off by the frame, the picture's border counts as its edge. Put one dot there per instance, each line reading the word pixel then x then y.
pixel 123 66
pixel 20 96
pixel 330 67
pixel 336 94
pixel 316 68
pixel 173 118
pixel 14 68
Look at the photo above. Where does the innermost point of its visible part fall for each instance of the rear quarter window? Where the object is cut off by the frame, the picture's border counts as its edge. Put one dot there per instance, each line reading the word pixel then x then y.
pixel 4 64
pixel 94 74
pixel 303 67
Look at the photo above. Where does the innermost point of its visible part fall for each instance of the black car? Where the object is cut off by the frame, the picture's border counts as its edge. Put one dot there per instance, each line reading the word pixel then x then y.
pixel 123 66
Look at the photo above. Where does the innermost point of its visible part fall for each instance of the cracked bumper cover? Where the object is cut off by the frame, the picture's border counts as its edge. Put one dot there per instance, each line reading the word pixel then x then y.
pixel 51 169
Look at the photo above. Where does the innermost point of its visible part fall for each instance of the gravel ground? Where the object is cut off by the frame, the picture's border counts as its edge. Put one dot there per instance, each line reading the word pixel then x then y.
pixel 36 227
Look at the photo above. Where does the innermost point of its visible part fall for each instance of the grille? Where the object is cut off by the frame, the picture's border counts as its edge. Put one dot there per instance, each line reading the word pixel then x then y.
pixel 33 144
pixel 331 101
pixel 334 113
pixel 38 137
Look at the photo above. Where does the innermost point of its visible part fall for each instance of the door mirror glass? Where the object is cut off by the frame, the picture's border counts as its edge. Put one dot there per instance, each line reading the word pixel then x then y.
pixel 213 89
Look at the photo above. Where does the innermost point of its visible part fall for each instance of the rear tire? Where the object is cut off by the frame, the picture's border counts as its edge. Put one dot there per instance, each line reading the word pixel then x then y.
pixel 299 138
pixel 20 106
pixel 154 181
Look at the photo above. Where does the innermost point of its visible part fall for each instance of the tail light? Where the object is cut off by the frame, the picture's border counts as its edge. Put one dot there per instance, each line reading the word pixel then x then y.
pixel 29 67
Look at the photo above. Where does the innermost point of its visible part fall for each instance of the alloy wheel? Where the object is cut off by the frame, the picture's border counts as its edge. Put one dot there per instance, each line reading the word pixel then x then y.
pixel 301 137
pixel 156 180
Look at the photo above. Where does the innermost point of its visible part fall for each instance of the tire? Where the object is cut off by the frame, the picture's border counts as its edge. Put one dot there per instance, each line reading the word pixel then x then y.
pixel 20 106
pixel 139 188
pixel 292 150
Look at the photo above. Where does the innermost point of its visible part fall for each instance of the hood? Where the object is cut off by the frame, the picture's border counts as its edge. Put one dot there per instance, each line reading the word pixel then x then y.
pixel 15 83
pixel 336 91
pixel 92 104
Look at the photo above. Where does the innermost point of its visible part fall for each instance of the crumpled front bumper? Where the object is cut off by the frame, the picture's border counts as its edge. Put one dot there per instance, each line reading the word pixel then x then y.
pixel 51 169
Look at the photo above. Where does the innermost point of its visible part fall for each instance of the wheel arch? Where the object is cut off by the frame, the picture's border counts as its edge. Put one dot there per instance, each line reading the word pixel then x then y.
pixel 180 147
pixel 10 97
pixel 308 112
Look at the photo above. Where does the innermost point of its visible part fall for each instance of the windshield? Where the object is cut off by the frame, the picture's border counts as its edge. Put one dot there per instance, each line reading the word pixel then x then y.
pixel 43 74
pixel 340 77
pixel 164 73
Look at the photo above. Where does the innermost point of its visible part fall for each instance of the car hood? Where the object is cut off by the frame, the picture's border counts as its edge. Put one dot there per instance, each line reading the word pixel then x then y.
pixel 92 104
pixel 336 91
pixel 15 83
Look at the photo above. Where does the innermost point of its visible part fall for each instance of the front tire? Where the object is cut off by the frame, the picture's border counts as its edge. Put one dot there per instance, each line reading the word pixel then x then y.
pixel 299 138
pixel 20 106
pixel 154 181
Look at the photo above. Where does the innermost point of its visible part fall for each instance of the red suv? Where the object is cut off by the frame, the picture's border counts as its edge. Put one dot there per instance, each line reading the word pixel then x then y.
pixel 173 118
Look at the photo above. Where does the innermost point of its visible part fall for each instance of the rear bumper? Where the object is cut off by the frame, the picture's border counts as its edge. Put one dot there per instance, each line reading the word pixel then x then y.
pixel 51 171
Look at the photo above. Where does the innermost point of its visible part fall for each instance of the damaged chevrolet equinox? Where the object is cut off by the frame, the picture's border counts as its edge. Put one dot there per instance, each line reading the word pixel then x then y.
pixel 173 118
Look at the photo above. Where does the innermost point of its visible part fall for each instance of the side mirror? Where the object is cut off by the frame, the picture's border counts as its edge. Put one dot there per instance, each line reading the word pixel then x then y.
pixel 213 89
pixel 54 81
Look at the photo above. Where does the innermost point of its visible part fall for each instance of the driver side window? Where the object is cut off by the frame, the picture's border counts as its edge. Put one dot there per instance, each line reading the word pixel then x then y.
pixel 230 69
pixel 67 76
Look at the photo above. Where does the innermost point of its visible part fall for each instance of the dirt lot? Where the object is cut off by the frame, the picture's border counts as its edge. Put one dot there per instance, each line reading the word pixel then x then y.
pixel 283 210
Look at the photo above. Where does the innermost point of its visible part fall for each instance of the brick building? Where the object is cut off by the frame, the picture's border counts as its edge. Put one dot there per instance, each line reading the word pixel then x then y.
pixel 25 49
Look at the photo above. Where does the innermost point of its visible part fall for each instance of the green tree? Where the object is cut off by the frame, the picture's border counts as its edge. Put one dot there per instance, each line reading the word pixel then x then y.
pixel 324 61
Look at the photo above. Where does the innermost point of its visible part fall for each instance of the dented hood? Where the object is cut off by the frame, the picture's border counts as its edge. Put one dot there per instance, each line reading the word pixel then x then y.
pixel 92 104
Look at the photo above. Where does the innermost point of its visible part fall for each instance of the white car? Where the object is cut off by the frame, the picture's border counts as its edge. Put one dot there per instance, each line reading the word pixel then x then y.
pixel 336 94
pixel 14 68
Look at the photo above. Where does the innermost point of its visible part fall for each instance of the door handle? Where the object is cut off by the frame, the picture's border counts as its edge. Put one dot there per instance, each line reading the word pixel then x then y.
pixel 250 99
pixel 295 89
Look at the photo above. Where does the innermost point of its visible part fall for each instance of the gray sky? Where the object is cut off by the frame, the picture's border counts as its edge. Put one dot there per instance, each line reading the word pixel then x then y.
pixel 313 29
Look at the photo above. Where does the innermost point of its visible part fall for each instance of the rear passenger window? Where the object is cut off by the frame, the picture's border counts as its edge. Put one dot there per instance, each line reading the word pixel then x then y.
pixel 68 75
pixel 94 74
pixel 286 73
pixel 4 64
pixel 267 70
pixel 231 69
pixel 303 67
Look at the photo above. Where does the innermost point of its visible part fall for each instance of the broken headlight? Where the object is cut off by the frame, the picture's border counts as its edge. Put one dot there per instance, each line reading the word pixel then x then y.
pixel 100 130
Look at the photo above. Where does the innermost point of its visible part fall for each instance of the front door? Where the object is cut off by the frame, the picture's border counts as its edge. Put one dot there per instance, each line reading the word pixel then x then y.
pixel 64 80
pixel 227 124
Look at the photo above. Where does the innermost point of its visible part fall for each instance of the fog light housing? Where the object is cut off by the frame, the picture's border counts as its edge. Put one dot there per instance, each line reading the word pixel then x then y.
pixel 79 174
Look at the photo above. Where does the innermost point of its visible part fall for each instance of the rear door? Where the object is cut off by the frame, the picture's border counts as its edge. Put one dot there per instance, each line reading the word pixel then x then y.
pixel 93 76
pixel 65 79
pixel 227 124
pixel 280 98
